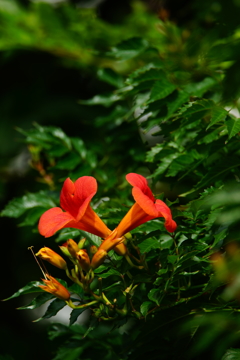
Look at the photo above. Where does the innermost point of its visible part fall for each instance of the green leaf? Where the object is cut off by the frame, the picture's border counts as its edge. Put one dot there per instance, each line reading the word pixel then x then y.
pixel 145 307
pixel 219 237
pixel 231 354
pixel 69 353
pixel 75 314
pixel 155 295
pixel 165 163
pixel 161 89
pixel 199 88
pixel 69 162
pixel 217 114
pixel 211 136
pixel 110 77
pixel 172 259
pixel 55 306
pixel 32 217
pixel 76 289
pixel 166 241
pixel 181 163
pixel 174 102
pixel 79 146
pixel 105 100
pixel 148 245
pixel 149 74
pixel 153 152
pixel 139 72
pixel 58 133
pixel 38 301
pixel 129 49
pixel 233 126
pixel 66 234
pixel 94 239
pixel 218 171
pixel 57 151
pixel 162 271
pixel 101 268
pixel 31 287
pixel 109 273
pixel 117 284
pixel 200 106
pixel 17 207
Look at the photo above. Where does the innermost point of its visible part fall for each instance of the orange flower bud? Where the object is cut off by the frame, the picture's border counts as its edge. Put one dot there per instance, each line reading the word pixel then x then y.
pixel 52 257
pixel 72 247
pixel 54 287
pixel 83 259
pixel 98 258
pixel 121 249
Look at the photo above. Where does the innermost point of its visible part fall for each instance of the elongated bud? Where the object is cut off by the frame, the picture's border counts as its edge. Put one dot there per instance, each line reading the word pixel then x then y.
pixel 54 287
pixel 121 249
pixel 72 247
pixel 93 249
pixel 64 250
pixel 98 258
pixel 52 257
pixel 83 259
pixel 81 243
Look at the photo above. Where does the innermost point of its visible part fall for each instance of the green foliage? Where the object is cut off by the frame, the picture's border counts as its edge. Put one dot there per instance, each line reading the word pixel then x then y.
pixel 166 107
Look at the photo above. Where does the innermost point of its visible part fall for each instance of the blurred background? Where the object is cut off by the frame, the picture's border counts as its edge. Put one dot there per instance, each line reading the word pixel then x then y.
pixel 51 56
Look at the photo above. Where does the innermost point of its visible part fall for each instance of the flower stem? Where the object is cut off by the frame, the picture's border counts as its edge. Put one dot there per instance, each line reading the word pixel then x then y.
pixel 71 304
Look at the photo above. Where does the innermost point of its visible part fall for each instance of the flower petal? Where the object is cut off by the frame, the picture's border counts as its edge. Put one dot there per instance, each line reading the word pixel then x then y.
pixel 165 212
pixel 92 223
pixel 145 202
pixel 53 220
pixel 75 197
pixel 140 182
pixel 134 218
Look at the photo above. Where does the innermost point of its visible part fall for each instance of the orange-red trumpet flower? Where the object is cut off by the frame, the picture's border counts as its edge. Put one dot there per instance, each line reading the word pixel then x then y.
pixel 54 287
pixel 111 242
pixel 146 207
pixel 75 201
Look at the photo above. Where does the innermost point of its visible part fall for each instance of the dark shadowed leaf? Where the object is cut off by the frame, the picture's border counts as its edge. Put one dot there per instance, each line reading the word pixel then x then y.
pixel 38 301
pixel 55 306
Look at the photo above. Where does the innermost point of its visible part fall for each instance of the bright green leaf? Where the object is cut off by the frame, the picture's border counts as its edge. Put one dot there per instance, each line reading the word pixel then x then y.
pixel 233 126
pixel 217 114
pixel 31 287
pixel 161 89
pixel 17 207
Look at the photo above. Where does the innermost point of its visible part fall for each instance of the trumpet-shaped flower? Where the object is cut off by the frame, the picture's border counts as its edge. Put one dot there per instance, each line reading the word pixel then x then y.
pixel 54 287
pixel 146 207
pixel 111 242
pixel 75 211
pixel 52 257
